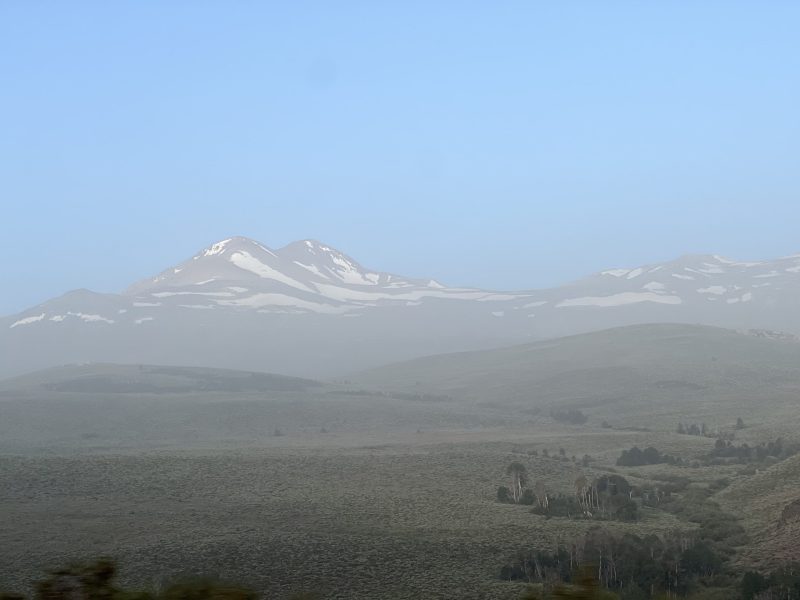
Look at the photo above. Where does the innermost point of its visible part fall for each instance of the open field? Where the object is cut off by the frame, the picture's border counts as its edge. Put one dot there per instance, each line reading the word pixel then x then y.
pixel 400 519
pixel 392 521
pixel 358 492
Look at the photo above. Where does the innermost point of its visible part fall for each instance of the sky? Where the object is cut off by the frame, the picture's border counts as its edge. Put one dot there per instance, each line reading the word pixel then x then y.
pixel 502 145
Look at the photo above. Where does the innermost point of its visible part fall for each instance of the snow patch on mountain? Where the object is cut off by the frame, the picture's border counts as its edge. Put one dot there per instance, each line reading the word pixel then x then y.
pixel 27 320
pixel 616 272
pixel 91 318
pixel 217 248
pixel 717 290
pixel 620 299
pixel 248 262
pixel 312 268
pixel 283 300
pixel 190 293
pixel 536 304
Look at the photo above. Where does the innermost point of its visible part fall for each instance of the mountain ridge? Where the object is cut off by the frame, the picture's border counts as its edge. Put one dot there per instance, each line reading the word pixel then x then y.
pixel 309 309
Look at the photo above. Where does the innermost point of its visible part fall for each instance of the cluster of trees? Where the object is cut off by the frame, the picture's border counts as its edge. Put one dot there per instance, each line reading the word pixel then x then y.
pixel 724 451
pixel 716 526
pixel 692 429
pixel 635 567
pixel 778 585
pixel 607 497
pixel 518 492
pixel 702 430
pixel 636 457
pixel 569 415
pixel 744 453
pixel 562 456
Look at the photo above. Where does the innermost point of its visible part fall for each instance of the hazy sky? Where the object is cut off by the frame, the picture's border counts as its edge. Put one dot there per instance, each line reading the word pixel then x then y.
pixel 502 145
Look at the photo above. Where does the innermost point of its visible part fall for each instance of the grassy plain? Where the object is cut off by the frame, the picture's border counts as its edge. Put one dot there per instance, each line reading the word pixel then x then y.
pixel 356 494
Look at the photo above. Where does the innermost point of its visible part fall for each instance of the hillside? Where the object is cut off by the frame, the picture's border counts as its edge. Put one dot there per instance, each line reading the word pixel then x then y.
pixel 762 498
pixel 648 370
pixel 149 379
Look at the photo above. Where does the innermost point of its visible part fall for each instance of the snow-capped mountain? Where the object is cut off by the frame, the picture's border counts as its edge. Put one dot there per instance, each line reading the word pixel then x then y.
pixel 309 309
pixel 305 276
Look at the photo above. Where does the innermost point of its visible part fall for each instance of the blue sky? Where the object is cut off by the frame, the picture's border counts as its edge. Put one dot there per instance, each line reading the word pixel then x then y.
pixel 502 145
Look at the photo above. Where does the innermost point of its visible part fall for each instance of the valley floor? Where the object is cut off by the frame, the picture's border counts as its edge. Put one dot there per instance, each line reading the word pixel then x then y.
pixel 409 519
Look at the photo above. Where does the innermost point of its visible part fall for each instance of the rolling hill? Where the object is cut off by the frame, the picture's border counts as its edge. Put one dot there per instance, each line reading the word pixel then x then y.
pixel 637 373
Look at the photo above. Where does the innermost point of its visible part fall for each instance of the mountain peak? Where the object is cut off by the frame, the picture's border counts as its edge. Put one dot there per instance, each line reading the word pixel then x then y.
pixel 311 246
pixel 231 244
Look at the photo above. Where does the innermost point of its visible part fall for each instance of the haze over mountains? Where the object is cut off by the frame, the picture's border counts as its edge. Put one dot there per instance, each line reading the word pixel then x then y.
pixel 308 309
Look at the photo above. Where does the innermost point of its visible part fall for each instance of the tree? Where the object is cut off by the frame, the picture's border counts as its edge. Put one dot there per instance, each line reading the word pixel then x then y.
pixel 503 494
pixel 753 583
pixel 583 493
pixel 739 423
pixel 519 479
pixel 540 491
pixel 651 456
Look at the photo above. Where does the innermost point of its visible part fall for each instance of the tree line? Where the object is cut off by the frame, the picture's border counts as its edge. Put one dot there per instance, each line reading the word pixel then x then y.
pixel 631 566
pixel 606 497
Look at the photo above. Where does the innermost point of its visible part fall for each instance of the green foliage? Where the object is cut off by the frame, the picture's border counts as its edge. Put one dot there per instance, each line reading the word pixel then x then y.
pixel 693 429
pixel 607 498
pixel 504 495
pixel 725 451
pixel 781 583
pixel 716 526
pixel 636 457
pixel 518 470
pixel 627 510
pixel 701 559
pixel 570 415
pixel 560 505
pixel 625 564
pixel 753 583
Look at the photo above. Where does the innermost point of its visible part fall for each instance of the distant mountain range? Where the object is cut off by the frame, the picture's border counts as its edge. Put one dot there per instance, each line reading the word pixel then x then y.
pixel 308 309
